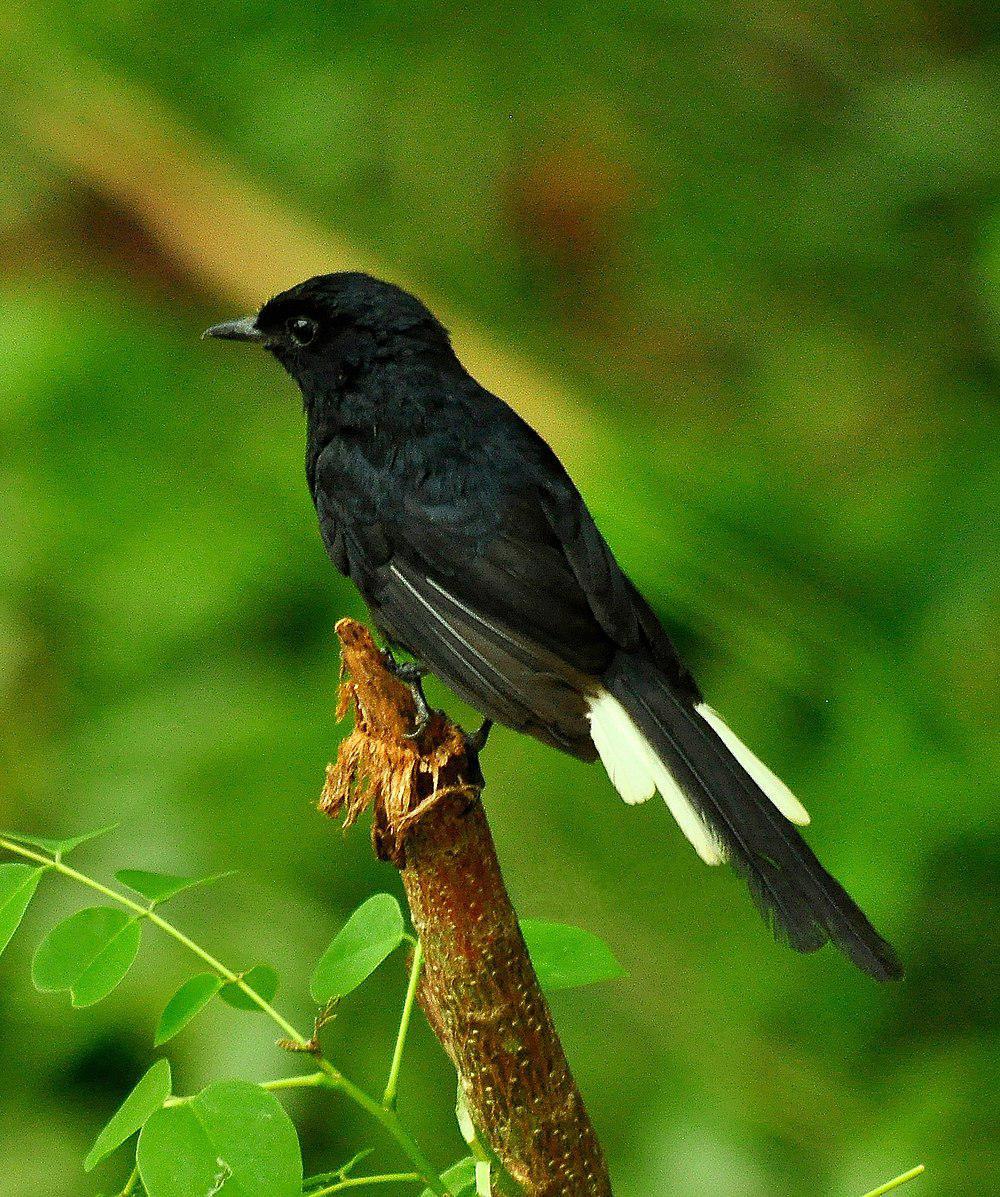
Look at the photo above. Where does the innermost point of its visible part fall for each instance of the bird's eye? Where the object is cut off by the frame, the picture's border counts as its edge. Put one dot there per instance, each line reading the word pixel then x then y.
pixel 302 330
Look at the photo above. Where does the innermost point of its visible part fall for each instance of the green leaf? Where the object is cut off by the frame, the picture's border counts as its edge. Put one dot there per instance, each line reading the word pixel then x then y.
pixel 192 997
pixel 18 883
pixel 262 978
pixel 158 887
pixel 568 957
pixel 147 1097
pixel 460 1178
pixel 57 847
pixel 372 933
pixel 233 1140
pixel 89 954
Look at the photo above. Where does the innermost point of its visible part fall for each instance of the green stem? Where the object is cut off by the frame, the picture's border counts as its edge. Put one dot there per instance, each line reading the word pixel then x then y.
pixel 359 1182
pixel 130 1184
pixel 332 1077
pixel 310 1080
pixel 471 1136
pixel 896 1182
pixel 391 1085
pixel 390 1120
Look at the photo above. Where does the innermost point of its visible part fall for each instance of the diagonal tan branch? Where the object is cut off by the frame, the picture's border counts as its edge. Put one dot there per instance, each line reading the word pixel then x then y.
pixel 232 237
pixel 479 990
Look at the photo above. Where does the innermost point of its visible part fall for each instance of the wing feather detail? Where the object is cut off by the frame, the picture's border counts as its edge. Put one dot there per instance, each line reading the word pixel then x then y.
pixel 491 666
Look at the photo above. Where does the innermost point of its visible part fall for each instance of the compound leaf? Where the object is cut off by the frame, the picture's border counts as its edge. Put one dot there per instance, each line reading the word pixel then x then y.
pixel 373 932
pixel 57 847
pixel 158 887
pixel 147 1097
pixel 568 957
pixel 192 997
pixel 88 954
pixel 18 883
pixel 233 1139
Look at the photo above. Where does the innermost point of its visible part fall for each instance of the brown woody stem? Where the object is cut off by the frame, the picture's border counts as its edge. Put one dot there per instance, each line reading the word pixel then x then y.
pixel 479 990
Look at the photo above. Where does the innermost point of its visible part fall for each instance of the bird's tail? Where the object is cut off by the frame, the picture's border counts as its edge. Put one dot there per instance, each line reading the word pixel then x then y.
pixel 730 806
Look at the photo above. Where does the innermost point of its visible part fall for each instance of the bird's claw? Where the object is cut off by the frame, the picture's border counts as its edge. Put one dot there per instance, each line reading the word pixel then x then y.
pixel 423 711
pixel 411 674
pixel 476 741
pixel 423 716
pixel 408 672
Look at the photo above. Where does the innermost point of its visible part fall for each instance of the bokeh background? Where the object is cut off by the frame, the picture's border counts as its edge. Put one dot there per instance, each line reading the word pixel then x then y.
pixel 741 265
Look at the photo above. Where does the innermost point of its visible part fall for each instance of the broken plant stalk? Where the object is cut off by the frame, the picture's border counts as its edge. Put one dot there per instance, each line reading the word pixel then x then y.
pixel 478 988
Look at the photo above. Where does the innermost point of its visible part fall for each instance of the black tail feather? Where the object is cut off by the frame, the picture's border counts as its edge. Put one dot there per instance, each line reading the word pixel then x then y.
pixel 799 899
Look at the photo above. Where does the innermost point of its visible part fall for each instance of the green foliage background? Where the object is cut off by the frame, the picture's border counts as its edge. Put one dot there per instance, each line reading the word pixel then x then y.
pixel 759 247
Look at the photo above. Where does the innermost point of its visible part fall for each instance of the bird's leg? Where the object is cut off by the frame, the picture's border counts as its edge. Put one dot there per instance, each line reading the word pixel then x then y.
pixel 477 741
pixel 423 710
pixel 411 674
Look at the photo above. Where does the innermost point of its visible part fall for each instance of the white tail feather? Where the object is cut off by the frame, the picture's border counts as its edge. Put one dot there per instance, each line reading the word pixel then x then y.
pixel 637 772
pixel 769 782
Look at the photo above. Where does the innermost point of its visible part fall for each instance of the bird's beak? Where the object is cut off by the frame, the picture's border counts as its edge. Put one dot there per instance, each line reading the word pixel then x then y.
pixel 236 330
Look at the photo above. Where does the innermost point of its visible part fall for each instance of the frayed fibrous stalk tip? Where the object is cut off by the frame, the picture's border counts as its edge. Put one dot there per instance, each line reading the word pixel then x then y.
pixel 377 766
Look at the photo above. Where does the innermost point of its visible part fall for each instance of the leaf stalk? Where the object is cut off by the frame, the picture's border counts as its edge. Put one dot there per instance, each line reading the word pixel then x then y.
pixel 332 1077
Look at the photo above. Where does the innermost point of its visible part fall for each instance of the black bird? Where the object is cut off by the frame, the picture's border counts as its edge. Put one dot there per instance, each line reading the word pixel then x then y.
pixel 476 554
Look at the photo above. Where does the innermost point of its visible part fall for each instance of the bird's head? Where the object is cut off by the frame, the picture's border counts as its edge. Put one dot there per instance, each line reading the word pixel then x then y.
pixel 331 328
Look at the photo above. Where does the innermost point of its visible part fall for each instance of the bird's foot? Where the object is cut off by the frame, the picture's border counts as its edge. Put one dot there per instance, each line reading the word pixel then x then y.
pixel 411 674
pixel 408 672
pixel 424 712
pixel 476 742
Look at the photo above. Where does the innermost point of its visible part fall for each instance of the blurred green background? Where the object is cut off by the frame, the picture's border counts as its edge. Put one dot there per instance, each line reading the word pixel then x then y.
pixel 752 255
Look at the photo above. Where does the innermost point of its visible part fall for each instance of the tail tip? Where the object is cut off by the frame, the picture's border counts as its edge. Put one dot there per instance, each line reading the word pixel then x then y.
pixel 885 966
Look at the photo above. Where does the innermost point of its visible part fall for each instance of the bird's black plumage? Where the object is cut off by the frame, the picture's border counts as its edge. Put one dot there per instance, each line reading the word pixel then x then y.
pixel 475 552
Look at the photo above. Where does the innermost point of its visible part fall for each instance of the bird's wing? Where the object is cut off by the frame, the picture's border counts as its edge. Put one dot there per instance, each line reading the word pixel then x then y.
pixel 622 613
pixel 511 570
pixel 509 594
pixel 496 612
